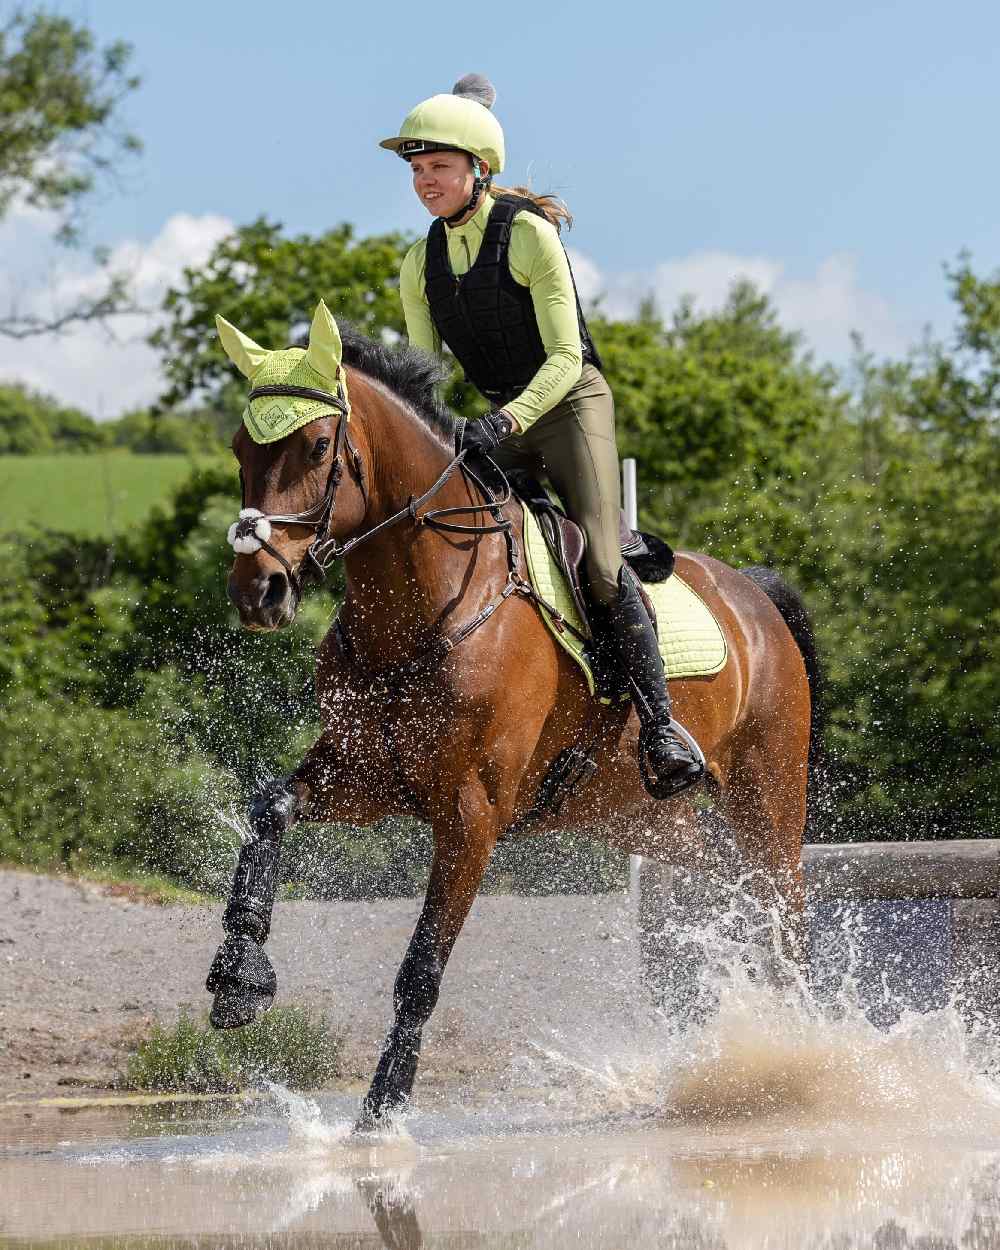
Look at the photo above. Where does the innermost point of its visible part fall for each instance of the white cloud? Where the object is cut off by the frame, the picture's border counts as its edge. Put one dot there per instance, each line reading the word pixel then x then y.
pixel 825 306
pixel 103 371
pixel 106 374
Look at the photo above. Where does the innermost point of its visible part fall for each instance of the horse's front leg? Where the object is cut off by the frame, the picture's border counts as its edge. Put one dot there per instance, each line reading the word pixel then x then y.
pixel 464 838
pixel 321 788
pixel 242 977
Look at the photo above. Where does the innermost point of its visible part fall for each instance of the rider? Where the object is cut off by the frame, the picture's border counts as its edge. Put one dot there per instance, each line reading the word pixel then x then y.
pixel 493 282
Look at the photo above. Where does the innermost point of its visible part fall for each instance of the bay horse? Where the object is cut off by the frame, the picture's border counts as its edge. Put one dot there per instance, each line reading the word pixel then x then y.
pixel 443 694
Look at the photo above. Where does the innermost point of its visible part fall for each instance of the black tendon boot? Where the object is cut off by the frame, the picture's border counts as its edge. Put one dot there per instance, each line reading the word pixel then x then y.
pixel 669 759
pixel 241 977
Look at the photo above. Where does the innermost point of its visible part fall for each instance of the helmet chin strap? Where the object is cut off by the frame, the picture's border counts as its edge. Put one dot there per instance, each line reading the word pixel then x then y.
pixel 479 185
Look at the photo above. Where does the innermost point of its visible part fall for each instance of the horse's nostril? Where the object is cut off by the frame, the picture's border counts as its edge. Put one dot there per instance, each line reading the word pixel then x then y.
pixel 275 591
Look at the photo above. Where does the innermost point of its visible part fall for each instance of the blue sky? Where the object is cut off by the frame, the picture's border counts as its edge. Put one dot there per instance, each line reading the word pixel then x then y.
pixel 839 153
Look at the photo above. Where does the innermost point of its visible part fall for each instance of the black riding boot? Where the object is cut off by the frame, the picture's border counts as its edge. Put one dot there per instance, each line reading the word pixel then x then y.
pixel 668 760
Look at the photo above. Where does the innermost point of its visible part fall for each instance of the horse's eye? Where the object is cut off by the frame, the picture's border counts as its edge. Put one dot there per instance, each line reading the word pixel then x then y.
pixel 319 451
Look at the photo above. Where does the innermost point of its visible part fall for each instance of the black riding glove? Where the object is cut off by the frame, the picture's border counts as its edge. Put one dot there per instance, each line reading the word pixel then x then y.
pixel 487 433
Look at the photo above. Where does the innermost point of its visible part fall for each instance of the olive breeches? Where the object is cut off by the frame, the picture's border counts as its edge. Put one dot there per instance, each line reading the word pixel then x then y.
pixel 574 447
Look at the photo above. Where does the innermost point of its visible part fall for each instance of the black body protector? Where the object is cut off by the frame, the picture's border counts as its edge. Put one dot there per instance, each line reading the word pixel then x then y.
pixel 486 316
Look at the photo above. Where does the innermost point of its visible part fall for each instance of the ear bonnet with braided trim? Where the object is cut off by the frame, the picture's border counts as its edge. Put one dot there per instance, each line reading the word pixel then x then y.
pixel 317 367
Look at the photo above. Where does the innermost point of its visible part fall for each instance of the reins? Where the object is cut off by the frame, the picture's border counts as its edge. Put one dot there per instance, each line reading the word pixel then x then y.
pixel 254 527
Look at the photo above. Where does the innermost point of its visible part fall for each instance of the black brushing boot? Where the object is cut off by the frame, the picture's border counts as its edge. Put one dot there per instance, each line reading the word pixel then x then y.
pixel 241 977
pixel 669 758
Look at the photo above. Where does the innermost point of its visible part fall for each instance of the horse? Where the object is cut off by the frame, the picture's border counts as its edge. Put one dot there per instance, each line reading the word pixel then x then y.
pixel 445 697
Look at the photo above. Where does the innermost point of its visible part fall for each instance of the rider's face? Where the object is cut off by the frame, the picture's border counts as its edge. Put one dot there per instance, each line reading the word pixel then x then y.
pixel 443 181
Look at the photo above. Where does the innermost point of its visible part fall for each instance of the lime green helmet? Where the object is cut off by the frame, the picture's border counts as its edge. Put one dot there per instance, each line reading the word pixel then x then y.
pixel 459 122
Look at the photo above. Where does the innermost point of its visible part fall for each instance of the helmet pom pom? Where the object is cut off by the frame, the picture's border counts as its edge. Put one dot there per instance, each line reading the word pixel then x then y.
pixel 476 87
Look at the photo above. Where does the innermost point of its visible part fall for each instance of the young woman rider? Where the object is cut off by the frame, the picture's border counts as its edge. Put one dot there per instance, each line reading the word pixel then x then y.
pixel 492 281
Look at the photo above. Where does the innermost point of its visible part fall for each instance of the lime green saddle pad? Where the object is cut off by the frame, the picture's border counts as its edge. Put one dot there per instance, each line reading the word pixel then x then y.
pixel 691 641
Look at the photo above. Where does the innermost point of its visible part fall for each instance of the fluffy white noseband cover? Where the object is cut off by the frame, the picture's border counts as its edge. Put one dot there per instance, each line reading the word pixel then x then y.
pixel 248 533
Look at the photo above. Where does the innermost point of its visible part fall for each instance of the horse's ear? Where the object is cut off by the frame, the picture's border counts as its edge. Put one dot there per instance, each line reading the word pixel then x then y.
pixel 325 349
pixel 245 354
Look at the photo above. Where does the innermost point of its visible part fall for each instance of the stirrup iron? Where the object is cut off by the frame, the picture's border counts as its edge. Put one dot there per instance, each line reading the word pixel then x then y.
pixel 683 779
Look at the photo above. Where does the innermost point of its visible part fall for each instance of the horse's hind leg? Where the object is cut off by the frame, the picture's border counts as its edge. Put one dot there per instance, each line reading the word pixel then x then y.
pixel 464 838
pixel 765 805
pixel 241 977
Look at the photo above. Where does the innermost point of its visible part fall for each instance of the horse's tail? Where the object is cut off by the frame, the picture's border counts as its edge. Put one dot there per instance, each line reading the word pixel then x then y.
pixel 794 613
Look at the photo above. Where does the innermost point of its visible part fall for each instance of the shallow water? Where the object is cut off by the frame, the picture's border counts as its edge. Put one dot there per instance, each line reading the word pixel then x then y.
pixel 787 1119
pixel 464 1179
pixel 769 1127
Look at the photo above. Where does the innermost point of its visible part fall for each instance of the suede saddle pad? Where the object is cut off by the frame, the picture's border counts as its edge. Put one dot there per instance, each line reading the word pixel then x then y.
pixel 691 640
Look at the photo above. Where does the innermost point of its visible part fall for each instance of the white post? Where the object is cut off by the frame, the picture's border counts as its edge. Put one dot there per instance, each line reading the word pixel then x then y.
pixel 630 501
pixel 630 505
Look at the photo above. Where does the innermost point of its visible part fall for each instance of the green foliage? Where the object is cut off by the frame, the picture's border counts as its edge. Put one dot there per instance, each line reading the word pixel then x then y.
pixel 290 1045
pixel 710 401
pixel 31 423
pixel 891 528
pixel 59 101
pixel 165 433
pixel 88 786
pixel 268 285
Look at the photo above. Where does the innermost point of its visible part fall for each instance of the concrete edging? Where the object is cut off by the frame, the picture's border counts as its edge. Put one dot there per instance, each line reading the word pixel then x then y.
pixel 967 868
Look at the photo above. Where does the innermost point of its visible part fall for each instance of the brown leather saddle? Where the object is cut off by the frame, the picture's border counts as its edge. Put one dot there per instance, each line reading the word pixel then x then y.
pixel 648 558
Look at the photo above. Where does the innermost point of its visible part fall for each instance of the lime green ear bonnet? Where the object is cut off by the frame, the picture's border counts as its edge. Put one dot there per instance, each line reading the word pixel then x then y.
pixel 461 120
pixel 317 366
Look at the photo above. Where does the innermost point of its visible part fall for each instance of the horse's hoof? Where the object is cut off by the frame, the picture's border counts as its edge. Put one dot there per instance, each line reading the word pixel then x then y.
pixel 243 982
pixel 365 1124
pixel 236 1006
pixel 372 1124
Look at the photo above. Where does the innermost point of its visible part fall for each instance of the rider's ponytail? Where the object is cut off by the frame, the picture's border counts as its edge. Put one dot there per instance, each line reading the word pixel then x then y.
pixel 553 209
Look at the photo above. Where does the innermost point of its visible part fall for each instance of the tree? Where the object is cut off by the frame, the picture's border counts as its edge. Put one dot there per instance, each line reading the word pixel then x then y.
pixel 60 133
pixel 269 284
pixel 711 401
pixel 31 423
pixel 174 432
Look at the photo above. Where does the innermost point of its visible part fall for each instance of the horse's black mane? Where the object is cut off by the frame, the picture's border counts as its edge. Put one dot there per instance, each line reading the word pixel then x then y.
pixel 408 372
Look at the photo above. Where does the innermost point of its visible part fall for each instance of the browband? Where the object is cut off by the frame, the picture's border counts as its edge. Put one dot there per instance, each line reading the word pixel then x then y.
pixel 301 392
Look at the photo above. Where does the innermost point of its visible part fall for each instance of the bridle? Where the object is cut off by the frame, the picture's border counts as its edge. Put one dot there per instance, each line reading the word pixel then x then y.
pixel 253 529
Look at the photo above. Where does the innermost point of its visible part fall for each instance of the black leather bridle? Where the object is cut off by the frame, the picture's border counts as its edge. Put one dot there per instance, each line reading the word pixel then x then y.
pixel 324 551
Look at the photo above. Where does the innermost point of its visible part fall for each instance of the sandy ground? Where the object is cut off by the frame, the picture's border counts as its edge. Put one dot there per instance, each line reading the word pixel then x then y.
pixel 82 972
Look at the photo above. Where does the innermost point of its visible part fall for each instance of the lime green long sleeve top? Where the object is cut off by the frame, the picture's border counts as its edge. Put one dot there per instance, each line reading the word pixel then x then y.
pixel 537 261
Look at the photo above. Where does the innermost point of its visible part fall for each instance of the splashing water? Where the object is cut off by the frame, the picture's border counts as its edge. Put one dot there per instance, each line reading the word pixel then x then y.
pixel 763 1049
pixel 308 1130
pixel 777 1116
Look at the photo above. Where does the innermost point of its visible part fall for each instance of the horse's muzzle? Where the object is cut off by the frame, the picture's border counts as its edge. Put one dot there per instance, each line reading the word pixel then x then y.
pixel 269 602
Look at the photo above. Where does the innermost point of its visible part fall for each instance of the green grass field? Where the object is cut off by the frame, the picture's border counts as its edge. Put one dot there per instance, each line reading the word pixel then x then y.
pixel 102 493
